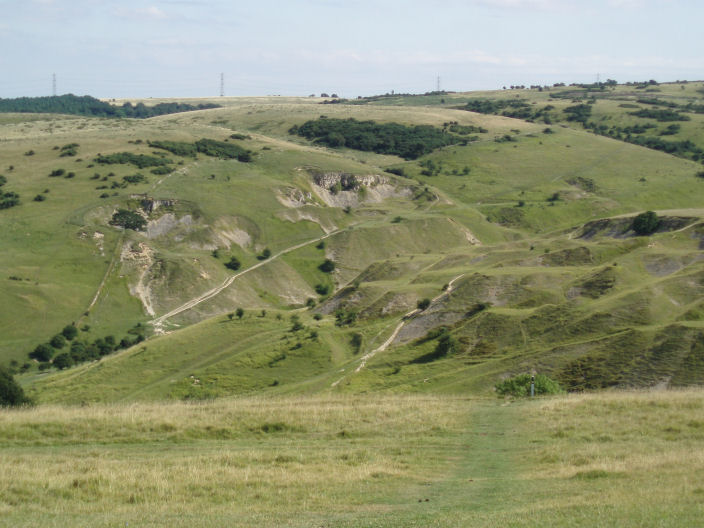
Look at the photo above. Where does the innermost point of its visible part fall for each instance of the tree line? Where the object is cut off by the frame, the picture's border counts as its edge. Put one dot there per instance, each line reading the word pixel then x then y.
pixel 92 107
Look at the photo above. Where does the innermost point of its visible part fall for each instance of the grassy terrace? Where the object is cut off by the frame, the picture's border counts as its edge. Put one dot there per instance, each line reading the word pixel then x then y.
pixel 626 459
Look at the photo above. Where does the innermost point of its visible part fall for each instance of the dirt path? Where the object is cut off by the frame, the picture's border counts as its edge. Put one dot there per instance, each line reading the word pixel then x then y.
pixel 366 357
pixel 158 322
pixel 111 266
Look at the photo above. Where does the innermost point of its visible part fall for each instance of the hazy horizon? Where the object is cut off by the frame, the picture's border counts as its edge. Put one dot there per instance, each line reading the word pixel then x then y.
pixel 180 48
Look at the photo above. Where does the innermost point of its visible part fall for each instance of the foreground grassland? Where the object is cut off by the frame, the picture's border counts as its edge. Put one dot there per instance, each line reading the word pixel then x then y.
pixel 613 459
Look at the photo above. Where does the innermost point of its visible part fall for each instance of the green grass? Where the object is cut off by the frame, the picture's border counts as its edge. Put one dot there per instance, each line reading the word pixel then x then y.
pixel 518 253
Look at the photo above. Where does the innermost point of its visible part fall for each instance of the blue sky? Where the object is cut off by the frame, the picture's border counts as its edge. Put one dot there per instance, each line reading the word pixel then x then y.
pixel 179 48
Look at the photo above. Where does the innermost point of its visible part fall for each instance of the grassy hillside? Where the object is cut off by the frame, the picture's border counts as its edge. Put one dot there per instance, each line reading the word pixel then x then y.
pixel 631 459
pixel 521 239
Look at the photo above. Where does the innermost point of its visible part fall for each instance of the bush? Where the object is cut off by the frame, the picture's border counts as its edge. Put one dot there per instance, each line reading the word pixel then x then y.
pixel 233 264
pixel 645 223
pixel 327 267
pixel 519 386
pixel 11 394
pixel 423 304
pixel 321 289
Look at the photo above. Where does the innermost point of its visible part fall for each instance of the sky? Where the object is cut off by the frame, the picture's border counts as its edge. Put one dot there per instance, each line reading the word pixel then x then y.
pixel 181 48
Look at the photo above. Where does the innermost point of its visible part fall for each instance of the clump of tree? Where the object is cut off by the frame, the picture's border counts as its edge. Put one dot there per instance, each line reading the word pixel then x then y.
pixel 662 115
pixel 7 198
pixel 382 138
pixel 209 147
pixel 11 393
pixel 580 113
pixel 128 220
pixel 139 160
pixel 646 223
pixel 134 179
pixel 234 264
pixel 90 106
pixel 69 150
pixel 54 353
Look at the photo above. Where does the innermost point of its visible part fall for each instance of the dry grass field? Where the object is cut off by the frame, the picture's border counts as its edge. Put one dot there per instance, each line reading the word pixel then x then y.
pixel 612 459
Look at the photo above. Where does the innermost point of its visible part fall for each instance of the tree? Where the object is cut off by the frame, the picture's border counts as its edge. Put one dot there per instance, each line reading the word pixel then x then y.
pixel 239 313
pixel 233 264
pixel 63 361
pixel 646 223
pixel 423 304
pixel 69 332
pixel 58 341
pixel 11 394
pixel 327 267
pixel 42 353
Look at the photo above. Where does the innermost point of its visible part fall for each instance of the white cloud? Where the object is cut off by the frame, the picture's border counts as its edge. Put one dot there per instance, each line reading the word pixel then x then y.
pixel 545 5
pixel 151 11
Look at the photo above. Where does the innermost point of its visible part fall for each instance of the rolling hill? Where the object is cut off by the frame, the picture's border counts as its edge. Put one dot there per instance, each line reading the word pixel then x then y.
pixel 517 232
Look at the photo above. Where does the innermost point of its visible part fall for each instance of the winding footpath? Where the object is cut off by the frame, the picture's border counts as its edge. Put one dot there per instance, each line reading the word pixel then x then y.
pixel 158 323
pixel 366 357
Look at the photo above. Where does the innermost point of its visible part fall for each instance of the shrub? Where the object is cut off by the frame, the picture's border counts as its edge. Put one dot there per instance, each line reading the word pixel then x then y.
pixel 11 394
pixel 423 304
pixel 321 289
pixel 233 264
pixel 327 267
pixel 645 223
pixel 356 341
pixel 239 313
pixel 519 386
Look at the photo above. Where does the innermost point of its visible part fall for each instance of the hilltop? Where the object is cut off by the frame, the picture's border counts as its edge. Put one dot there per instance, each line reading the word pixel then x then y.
pixel 431 243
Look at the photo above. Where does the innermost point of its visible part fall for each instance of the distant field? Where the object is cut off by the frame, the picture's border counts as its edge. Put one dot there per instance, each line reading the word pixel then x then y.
pixel 612 459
